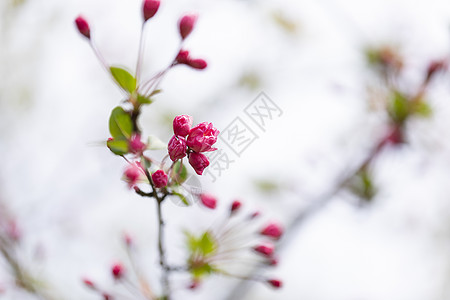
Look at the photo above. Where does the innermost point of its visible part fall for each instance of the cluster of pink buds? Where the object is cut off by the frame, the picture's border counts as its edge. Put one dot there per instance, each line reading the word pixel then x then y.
pixel 191 142
pixel 229 242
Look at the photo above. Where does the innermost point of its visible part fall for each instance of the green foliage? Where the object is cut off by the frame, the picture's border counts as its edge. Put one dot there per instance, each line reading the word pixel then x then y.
pixel 179 173
pixel 422 109
pixel 143 99
pixel 399 107
pixel 119 147
pixel 204 245
pixel 124 79
pixel 181 197
pixel 120 124
pixel 362 185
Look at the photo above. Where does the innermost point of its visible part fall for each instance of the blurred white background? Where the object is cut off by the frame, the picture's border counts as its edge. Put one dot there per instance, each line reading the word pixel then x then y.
pixel 64 186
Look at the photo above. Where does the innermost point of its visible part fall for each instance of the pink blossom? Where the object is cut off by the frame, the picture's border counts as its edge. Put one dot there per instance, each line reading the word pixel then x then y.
pixel 183 57
pixel 132 174
pixel 197 63
pixel 159 179
pixel 135 144
pixel 149 8
pixel 182 125
pixel 272 230
pixel 202 137
pixel 208 200
pixel 199 162
pixel 265 249
pixel 83 26
pixel 177 148
pixel 186 25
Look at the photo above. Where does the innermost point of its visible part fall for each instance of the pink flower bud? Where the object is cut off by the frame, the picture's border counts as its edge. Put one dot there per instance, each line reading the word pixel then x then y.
pixel 235 206
pixel 89 283
pixel 202 137
pixel 136 145
pixel 186 25
pixel 177 148
pixel 159 179
pixel 117 271
pixel 198 64
pixel 149 8
pixel 276 283
pixel 265 249
pixel 183 57
pixel 199 162
pixel 83 26
pixel 132 174
pixel 272 230
pixel 182 125
pixel 208 201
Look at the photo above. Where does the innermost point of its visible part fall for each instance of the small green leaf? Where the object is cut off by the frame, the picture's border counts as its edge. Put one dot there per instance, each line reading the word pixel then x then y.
pixel 119 147
pixel 182 198
pixel 155 143
pixel 201 270
pixel 124 79
pixel 207 244
pixel 399 107
pixel 144 100
pixel 179 173
pixel 120 124
pixel 422 109
pixel 191 241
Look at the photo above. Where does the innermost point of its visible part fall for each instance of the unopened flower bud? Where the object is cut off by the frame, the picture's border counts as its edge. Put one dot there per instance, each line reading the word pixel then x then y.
pixel 132 174
pixel 198 64
pixel 276 283
pixel 149 8
pixel 186 25
pixel 135 144
pixel 199 162
pixel 272 230
pixel 182 57
pixel 265 249
pixel 182 125
pixel 177 148
pixel 159 179
pixel 208 201
pixel 235 206
pixel 118 271
pixel 83 26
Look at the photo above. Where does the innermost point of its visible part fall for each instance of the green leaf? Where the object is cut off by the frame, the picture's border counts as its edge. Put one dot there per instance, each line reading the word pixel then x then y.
pixel 179 173
pixel 182 198
pixel 155 143
pixel 144 100
pixel 207 244
pixel 399 107
pixel 119 147
pixel 191 241
pixel 120 124
pixel 124 79
pixel 201 270
pixel 422 109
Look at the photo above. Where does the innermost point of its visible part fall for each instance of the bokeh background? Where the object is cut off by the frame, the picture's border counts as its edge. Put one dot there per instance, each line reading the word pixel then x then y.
pixel 64 189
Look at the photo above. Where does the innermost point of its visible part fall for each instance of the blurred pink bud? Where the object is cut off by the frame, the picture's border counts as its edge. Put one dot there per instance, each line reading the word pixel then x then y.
pixel 194 284
pixel 202 137
pixel 273 261
pixel 127 239
pixel 136 145
pixel 199 162
pixel 272 230
pixel 183 57
pixel 149 8
pixel 89 283
pixel 177 148
pixel 107 296
pixel 159 179
pixel 132 174
pixel 186 25
pixel 182 125
pixel 276 283
pixel 265 249
pixel 208 201
pixel 198 64
pixel 83 26
pixel 255 215
pixel 235 205
pixel 117 271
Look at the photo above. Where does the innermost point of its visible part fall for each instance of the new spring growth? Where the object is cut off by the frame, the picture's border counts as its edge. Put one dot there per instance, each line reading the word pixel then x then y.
pixel 199 162
pixel 149 9
pixel 159 179
pixel 83 26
